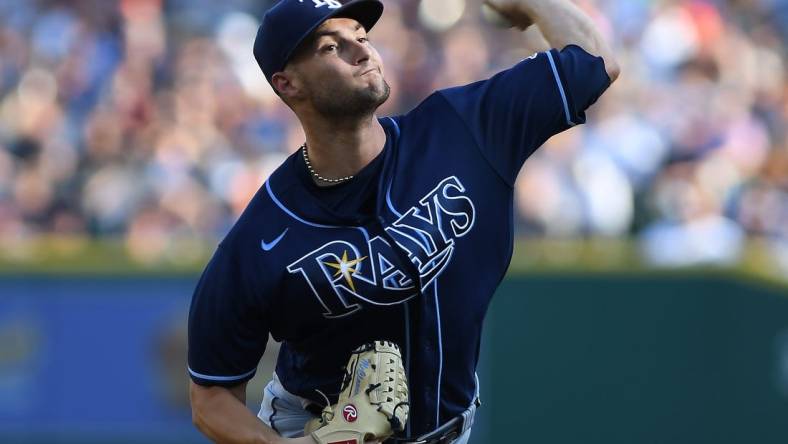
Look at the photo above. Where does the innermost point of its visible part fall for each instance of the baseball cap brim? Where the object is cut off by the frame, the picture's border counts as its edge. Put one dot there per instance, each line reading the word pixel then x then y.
pixel 366 12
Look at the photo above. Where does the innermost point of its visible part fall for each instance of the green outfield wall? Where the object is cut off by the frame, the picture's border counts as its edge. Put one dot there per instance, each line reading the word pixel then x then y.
pixel 636 358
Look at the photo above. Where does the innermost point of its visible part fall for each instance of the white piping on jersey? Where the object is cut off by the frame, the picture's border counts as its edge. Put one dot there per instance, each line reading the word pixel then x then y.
pixel 394 122
pixel 440 334
pixel 437 311
pixel 306 222
pixel 399 215
pixel 221 378
pixel 440 357
pixel 560 89
pixel 407 306
pixel 391 206
pixel 407 349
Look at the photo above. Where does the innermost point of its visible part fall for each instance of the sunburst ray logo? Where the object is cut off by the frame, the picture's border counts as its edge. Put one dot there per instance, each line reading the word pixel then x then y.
pixel 346 268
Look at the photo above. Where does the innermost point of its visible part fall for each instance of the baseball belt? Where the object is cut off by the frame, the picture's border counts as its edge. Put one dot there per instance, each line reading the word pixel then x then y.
pixel 448 432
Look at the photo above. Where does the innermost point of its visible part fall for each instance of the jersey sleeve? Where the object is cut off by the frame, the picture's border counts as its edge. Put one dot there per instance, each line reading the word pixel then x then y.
pixel 517 110
pixel 228 329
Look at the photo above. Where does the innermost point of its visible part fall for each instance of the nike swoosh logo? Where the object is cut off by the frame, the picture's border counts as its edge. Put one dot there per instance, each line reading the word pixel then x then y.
pixel 270 246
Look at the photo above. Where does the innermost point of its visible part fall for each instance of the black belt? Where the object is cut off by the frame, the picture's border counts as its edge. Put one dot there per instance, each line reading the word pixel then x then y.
pixel 444 434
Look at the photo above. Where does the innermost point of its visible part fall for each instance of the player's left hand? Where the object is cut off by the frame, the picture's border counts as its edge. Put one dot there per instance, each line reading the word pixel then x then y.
pixel 373 403
pixel 511 11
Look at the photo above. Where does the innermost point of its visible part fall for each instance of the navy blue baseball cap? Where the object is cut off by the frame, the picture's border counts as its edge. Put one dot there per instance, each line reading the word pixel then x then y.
pixel 286 25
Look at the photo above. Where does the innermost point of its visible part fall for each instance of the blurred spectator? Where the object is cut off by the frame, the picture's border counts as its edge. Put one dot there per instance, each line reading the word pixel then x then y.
pixel 149 120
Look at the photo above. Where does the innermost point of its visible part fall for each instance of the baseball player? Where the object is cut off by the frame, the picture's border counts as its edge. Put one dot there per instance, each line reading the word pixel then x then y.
pixel 396 229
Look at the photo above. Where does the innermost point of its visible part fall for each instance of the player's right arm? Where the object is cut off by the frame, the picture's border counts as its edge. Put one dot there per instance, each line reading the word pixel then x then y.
pixel 515 111
pixel 562 23
pixel 228 331
pixel 220 413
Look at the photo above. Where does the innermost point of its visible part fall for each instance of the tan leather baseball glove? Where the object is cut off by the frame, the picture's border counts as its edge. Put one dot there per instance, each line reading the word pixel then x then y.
pixel 373 403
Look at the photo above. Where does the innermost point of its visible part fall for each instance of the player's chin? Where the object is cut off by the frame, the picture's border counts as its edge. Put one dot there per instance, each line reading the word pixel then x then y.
pixel 379 88
pixel 382 95
pixel 367 97
pixel 373 82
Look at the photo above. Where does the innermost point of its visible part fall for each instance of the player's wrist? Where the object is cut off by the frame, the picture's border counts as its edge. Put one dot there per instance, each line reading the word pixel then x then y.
pixel 511 11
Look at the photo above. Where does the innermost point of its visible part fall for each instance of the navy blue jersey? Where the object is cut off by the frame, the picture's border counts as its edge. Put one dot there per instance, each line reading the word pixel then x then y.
pixel 417 264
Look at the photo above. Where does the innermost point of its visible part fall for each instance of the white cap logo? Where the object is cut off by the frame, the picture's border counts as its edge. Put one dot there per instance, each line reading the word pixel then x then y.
pixel 332 4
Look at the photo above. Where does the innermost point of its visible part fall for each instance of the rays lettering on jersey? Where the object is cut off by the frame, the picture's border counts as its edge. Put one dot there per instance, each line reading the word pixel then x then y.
pixel 341 273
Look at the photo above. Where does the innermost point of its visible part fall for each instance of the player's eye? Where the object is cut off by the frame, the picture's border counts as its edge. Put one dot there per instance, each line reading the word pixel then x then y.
pixel 328 48
pixel 363 40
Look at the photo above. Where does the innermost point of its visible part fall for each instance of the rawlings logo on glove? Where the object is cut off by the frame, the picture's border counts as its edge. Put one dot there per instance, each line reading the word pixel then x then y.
pixel 373 403
pixel 350 413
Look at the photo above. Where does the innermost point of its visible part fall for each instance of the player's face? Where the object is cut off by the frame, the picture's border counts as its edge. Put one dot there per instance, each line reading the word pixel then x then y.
pixel 339 71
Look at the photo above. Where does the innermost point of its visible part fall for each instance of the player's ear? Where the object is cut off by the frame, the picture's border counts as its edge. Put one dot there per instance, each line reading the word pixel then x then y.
pixel 286 84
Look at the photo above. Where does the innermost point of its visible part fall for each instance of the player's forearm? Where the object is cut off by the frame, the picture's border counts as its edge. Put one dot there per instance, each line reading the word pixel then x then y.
pixel 562 23
pixel 223 418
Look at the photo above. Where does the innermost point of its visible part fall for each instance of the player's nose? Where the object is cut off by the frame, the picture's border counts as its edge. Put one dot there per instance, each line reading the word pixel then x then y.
pixel 361 52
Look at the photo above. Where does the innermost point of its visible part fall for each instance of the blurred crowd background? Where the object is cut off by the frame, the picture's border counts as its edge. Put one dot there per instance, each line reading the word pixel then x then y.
pixel 149 120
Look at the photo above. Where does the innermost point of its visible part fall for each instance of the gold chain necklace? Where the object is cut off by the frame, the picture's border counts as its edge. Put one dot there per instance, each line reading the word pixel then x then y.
pixel 318 176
